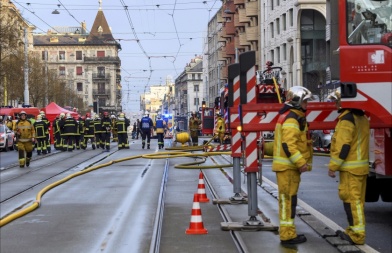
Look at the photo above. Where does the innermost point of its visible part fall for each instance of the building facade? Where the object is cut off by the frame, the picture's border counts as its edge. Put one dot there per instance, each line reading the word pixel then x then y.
pixel 86 61
pixel 189 88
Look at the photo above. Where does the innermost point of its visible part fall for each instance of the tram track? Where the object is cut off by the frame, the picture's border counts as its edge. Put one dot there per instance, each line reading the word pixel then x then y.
pixel 12 174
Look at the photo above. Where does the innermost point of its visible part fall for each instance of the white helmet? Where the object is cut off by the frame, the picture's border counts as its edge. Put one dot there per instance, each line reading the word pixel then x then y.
pixel 335 95
pixel 62 115
pixel 68 115
pixel 297 94
pixel 39 117
pixel 42 113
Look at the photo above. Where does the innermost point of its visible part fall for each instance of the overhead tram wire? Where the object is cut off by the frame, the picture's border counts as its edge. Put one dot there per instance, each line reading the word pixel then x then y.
pixel 138 41
pixel 32 12
pixel 71 14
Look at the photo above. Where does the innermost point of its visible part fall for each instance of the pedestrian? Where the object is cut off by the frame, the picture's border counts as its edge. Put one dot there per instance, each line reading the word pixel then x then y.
pixel 138 128
pixel 69 129
pixel 145 127
pixel 194 125
pixel 220 127
pixel 89 132
pixel 292 156
pixel 134 130
pixel 350 156
pixel 25 138
pixel 114 129
pixel 79 133
pixel 98 130
pixel 106 123
pixel 9 123
pixel 122 125
pixel 160 125
pixel 40 128
pixel 47 122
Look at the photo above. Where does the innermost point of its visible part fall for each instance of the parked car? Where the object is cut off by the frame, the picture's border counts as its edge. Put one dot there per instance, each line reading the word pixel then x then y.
pixel 6 138
pixel 321 138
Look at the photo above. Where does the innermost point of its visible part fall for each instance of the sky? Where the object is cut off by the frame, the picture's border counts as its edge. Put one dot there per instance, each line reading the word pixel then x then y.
pixel 158 37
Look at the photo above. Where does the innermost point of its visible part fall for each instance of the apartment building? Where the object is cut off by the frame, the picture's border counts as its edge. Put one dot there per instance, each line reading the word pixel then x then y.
pixel 86 61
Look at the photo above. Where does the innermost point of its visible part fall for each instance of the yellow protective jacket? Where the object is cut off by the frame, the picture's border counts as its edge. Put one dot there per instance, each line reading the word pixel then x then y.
pixel 24 129
pixel 220 125
pixel 292 147
pixel 194 124
pixel 350 143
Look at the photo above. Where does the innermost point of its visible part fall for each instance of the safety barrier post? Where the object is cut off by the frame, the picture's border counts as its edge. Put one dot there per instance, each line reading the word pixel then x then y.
pixel 233 103
pixel 248 83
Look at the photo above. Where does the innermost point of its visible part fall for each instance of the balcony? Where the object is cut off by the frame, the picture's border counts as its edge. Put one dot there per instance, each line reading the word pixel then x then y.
pixel 243 39
pixel 101 92
pixel 101 76
pixel 106 59
pixel 221 55
pixel 252 33
pixel 229 29
pixel 252 9
pixel 238 2
pixel 242 16
pixel 230 49
pixel 221 36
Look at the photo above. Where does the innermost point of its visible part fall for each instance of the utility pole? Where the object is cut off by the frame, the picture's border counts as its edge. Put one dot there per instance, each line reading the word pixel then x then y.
pixel 26 71
pixel 46 78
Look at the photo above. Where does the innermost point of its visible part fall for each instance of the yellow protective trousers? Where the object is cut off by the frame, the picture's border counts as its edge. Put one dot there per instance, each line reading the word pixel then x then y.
pixel 352 190
pixel 22 148
pixel 288 183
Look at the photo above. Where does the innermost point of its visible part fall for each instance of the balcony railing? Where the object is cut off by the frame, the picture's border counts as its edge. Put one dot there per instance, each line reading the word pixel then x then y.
pixel 252 9
pixel 101 92
pixel 106 59
pixel 101 76
pixel 252 33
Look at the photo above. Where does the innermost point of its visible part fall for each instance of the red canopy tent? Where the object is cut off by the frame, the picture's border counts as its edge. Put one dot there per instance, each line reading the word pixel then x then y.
pixel 51 111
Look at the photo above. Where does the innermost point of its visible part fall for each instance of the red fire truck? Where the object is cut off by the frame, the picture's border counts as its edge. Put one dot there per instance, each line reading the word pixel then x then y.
pixel 364 47
pixel 365 52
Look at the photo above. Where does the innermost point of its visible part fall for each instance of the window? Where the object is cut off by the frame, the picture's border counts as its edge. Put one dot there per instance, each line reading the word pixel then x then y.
pixel 193 76
pixel 196 102
pixel 284 52
pixel 61 55
pixel 278 26
pixel 284 21
pixel 101 71
pixel 272 56
pixel 272 4
pixel 196 87
pixel 79 86
pixel 278 54
pixel 79 55
pixel 79 71
pixel 101 88
pixel 100 53
pixel 272 29
pixel 291 17
pixel 44 55
pixel 62 71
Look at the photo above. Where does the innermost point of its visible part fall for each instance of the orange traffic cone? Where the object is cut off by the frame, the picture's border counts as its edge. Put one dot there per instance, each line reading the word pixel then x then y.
pixel 196 226
pixel 201 189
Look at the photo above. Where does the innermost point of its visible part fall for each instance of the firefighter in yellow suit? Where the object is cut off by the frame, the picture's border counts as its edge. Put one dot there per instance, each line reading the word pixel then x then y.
pixel 25 134
pixel 350 156
pixel 220 127
pixel 292 156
